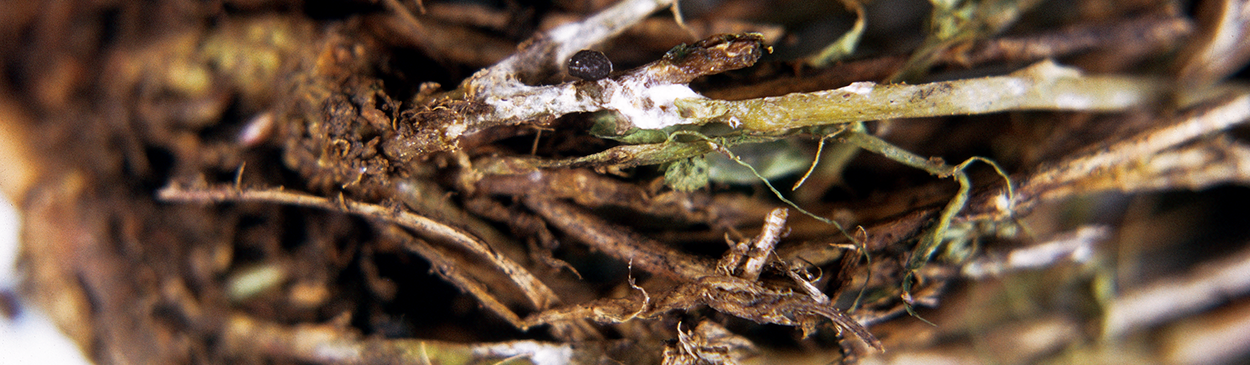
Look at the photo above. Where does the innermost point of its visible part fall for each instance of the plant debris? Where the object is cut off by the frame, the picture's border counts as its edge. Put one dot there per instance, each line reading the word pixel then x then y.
pixel 560 182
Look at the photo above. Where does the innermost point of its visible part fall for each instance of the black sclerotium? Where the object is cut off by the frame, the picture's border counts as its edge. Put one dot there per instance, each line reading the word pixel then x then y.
pixel 589 65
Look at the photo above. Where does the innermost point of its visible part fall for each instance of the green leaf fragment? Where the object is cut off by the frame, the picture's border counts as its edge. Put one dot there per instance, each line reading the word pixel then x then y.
pixel 687 174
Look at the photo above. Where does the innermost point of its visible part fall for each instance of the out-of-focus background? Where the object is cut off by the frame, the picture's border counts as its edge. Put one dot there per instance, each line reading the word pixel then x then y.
pixel 27 336
pixel 103 103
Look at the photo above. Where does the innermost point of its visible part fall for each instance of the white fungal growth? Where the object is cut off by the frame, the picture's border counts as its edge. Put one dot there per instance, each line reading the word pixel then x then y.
pixel 638 97
pixel 514 100
pixel 647 107
pixel 859 88
pixel 573 37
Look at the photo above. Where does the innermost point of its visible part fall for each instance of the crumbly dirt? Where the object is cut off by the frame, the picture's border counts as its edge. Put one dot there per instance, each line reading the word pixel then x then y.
pixel 274 182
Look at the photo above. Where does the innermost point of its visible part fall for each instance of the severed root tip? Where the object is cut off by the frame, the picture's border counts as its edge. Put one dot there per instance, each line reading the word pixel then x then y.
pixel 713 55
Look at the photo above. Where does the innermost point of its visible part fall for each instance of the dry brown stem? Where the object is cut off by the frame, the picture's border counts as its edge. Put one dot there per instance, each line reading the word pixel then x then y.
pixel 331 343
pixel 453 195
pixel 620 242
pixel 540 295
